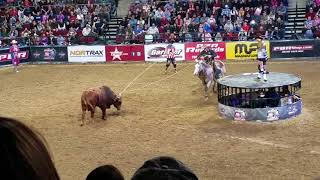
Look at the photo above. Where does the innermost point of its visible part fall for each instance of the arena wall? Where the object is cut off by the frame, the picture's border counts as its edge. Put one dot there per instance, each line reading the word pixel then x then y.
pixel 240 50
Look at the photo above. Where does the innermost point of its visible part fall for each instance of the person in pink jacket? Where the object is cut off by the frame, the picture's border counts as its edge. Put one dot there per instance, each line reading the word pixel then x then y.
pixel 14 49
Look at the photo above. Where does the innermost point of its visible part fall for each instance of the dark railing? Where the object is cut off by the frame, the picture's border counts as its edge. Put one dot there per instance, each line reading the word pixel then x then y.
pixel 53 40
pixel 143 38
pixel 189 37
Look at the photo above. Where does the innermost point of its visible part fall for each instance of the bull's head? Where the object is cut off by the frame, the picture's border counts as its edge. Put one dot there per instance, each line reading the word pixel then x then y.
pixel 117 102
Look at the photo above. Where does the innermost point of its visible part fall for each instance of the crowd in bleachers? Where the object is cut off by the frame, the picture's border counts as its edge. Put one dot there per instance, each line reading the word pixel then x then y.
pixel 45 22
pixel 312 23
pixel 210 20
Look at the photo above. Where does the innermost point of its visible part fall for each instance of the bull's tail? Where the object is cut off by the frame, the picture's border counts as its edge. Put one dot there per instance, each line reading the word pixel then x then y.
pixel 85 105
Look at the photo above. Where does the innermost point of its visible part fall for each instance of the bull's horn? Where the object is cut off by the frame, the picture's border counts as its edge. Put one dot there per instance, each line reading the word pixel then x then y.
pixel 119 94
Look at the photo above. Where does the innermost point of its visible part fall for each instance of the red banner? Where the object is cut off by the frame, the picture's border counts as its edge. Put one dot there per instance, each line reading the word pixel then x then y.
pixel 193 49
pixel 125 53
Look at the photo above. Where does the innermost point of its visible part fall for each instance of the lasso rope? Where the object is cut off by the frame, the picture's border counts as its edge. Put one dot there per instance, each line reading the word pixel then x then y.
pixel 162 79
pixel 136 79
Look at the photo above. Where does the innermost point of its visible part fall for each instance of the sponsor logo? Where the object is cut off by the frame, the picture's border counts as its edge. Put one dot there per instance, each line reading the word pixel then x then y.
pixel 36 55
pixel 292 110
pixel 7 56
pixel 298 48
pixel 88 53
pixel 49 53
pixel 62 54
pixel 273 115
pixel 160 51
pixel 117 54
pixel 200 46
pixel 239 115
pixel 243 48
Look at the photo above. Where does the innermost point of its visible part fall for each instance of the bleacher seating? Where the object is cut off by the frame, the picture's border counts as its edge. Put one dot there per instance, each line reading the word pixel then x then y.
pixel 202 20
pixel 45 21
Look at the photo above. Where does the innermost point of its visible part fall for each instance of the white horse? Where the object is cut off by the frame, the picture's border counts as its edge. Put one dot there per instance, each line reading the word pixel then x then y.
pixel 209 75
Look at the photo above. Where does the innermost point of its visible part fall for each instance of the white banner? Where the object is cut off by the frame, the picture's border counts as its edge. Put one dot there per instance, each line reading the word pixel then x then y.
pixel 156 52
pixel 86 54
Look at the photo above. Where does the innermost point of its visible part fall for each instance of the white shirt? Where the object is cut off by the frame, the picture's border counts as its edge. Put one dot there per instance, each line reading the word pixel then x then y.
pixel 262 52
pixel 86 31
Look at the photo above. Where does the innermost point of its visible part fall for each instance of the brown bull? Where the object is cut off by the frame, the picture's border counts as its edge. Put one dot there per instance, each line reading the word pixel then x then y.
pixel 103 97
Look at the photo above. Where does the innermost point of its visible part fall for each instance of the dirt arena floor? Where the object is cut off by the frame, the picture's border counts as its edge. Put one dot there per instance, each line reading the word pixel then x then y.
pixel 162 115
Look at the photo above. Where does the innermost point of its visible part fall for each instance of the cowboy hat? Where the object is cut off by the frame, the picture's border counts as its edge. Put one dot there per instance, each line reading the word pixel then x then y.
pixel 14 42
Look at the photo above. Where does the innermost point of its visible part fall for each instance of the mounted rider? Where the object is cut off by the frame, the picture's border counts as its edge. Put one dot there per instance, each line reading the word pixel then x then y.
pixel 208 55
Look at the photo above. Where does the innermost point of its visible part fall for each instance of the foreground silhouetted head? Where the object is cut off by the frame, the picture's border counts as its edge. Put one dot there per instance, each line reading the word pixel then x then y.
pixel 106 172
pixel 23 153
pixel 164 168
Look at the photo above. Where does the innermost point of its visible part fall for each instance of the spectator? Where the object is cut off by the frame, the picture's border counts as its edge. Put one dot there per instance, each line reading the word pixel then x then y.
pixel 133 22
pixel 179 22
pixel 106 172
pixel 25 32
pixel 13 33
pixel 280 24
pixel 228 27
pixel 218 37
pixel 275 34
pixel 204 18
pixel 234 14
pixel 252 34
pixel 282 11
pixel 172 38
pixel 206 37
pixel 87 30
pixel 154 31
pixel 129 33
pixel 242 35
pixel 138 30
pixel 311 14
pixel 160 168
pixel 141 22
pixel 44 40
pixel 187 20
pixel 23 153
pixel 226 11
pixel 98 26
pixel 61 40
pixel 72 35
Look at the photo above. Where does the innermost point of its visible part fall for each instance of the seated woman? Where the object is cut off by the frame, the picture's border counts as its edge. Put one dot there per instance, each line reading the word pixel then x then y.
pixel 23 153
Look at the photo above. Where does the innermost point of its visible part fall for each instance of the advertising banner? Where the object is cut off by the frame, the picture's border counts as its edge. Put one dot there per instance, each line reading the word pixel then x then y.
pixel 244 50
pixel 291 49
pixel 5 56
pixel 86 54
pixel 49 53
pixel 262 114
pixel 125 53
pixel 193 49
pixel 156 52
